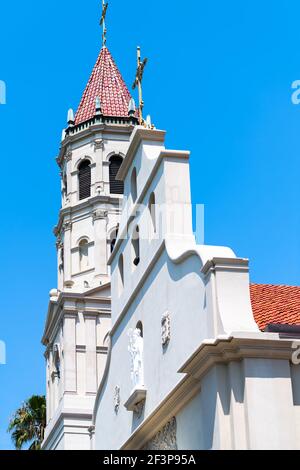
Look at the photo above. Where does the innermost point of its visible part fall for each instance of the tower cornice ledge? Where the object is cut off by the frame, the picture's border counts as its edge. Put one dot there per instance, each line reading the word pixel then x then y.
pixel 90 130
pixel 93 201
pixel 56 309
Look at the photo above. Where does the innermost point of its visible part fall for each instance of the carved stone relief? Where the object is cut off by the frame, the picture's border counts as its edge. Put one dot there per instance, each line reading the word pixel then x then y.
pixel 166 439
pixel 117 399
pixel 165 329
pixel 135 350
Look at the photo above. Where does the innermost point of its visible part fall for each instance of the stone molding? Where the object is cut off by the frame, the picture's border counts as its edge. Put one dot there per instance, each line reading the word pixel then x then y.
pixel 137 397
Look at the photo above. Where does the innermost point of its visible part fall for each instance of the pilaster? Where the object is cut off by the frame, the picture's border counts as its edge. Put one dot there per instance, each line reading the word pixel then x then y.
pixel 100 231
pixel 67 227
pixel 70 353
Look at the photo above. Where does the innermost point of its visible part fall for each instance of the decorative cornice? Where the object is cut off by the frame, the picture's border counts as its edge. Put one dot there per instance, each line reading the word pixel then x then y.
pixel 101 121
pixel 114 202
pixel 56 311
pixel 90 129
pixel 225 349
pixel 233 264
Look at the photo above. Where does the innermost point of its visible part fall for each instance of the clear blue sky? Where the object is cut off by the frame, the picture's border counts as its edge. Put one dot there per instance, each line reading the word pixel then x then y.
pixel 218 80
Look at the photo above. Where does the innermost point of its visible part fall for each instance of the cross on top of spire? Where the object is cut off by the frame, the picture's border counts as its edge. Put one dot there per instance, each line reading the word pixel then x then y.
pixel 103 22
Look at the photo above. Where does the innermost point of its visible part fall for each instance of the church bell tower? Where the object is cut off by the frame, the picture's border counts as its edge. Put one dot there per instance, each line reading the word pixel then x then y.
pixel 92 149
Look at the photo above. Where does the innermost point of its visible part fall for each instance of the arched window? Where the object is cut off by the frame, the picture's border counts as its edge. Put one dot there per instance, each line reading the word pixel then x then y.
pixel 83 255
pixel 133 185
pixel 84 177
pixel 139 326
pixel 116 186
pixel 152 211
pixel 65 184
pixel 121 273
pixel 113 238
pixel 136 246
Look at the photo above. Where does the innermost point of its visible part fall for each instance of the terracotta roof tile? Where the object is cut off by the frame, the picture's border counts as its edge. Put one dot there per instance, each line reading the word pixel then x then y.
pixel 275 304
pixel 105 82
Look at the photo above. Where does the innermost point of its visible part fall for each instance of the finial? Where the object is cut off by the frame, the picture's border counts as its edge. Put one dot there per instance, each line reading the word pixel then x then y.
pixel 148 122
pixel 141 64
pixel 98 105
pixel 71 118
pixel 103 23
pixel 131 107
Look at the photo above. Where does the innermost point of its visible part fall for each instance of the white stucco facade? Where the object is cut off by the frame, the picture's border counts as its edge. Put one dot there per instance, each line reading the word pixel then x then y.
pixel 224 383
pixel 150 339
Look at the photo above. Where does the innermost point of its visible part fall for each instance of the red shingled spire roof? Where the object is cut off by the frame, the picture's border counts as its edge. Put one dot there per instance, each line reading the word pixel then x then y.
pixel 105 82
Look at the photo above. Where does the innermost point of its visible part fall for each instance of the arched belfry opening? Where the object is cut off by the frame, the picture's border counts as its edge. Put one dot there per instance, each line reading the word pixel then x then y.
pixel 84 179
pixel 116 186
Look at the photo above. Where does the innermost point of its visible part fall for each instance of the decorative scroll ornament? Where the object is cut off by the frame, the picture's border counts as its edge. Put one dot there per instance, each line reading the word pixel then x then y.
pixel 165 329
pixel 136 349
pixel 117 399
pixel 100 214
pixel 98 144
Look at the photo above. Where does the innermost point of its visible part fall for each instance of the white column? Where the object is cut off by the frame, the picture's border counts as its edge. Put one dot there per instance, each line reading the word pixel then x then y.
pixel 98 147
pixel 48 398
pixel 67 252
pixel 106 178
pixel 60 263
pixel 70 352
pixel 69 175
pixel 51 391
pixel 91 354
pixel 100 231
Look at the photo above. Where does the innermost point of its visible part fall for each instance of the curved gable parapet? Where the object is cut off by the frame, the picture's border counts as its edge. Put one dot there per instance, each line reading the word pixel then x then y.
pixel 179 250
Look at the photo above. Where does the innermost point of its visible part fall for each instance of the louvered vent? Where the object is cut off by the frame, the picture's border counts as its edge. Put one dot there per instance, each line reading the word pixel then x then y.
pixel 85 180
pixel 116 187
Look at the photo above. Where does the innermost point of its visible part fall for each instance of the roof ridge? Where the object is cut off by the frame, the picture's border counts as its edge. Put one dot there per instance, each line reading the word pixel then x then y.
pixel 274 285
